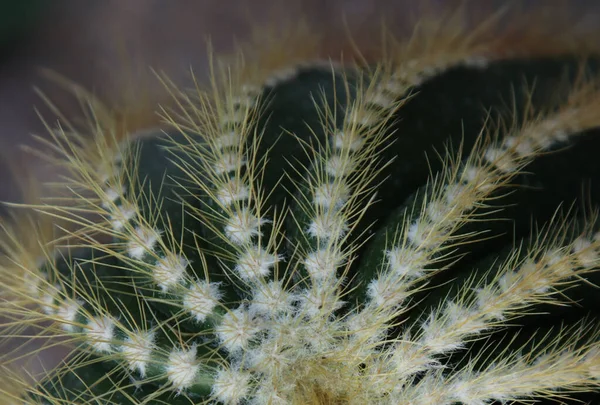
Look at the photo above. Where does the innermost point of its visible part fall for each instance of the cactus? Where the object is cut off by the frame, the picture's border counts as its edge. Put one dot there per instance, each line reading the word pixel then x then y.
pixel 396 232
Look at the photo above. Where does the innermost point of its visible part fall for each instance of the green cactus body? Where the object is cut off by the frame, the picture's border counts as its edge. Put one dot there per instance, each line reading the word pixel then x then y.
pixel 297 241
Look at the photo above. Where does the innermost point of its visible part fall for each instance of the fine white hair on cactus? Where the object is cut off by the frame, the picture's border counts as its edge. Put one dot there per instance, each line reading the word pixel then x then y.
pixel 48 296
pixel 420 234
pixel 335 193
pixel 382 97
pixel 328 225
pixel 67 313
pixel 201 299
pixel 384 294
pixel 363 327
pixel 361 117
pixel 407 262
pixel 33 283
pixel 351 140
pixel 339 165
pixel 112 194
pixel 232 191
pixel 169 271
pixel 231 386
pixel 232 118
pixel 521 147
pixel 271 299
pixel 268 356
pixel 255 262
pixel 461 197
pixel 142 242
pixel 586 252
pixel 107 172
pixel 227 140
pixel 228 162
pixel 182 367
pixel 244 101
pixel 237 328
pixel 332 195
pixel 322 264
pixel 137 350
pixel 100 331
pixel 509 379
pixel 453 195
pixel 121 216
pixel 593 366
pixel 445 329
pixel 269 395
pixel 437 210
pixel 243 226
pixel 320 299
pixel 251 89
pixel 281 75
pixel 499 158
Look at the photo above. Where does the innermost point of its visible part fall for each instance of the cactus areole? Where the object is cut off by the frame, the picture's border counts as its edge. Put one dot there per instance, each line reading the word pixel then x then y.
pixel 397 233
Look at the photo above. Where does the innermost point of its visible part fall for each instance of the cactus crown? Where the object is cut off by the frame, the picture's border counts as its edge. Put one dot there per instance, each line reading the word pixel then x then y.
pixel 282 238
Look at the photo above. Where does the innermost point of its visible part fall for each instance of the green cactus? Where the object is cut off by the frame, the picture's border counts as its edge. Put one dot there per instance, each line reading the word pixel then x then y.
pixel 291 237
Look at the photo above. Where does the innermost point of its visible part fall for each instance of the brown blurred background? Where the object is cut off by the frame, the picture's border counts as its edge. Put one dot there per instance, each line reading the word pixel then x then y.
pixel 110 45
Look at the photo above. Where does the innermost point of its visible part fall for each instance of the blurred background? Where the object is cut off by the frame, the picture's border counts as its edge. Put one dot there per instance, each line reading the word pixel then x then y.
pixel 110 45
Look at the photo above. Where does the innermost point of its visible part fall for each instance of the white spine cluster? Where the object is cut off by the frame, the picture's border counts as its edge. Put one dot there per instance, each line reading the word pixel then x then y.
pixel 234 190
pixel 100 332
pixel 231 386
pixel 201 299
pixel 169 271
pixel 271 299
pixel 137 350
pixel 236 329
pixel 48 295
pixel 243 226
pixel 143 242
pixel 255 263
pixel 67 312
pixel 182 368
